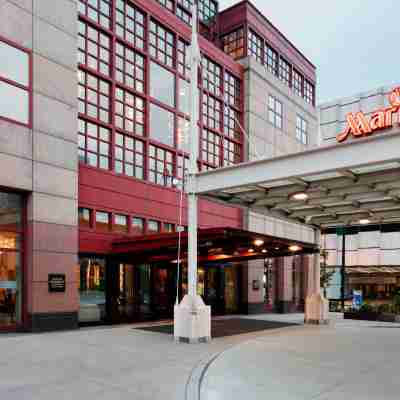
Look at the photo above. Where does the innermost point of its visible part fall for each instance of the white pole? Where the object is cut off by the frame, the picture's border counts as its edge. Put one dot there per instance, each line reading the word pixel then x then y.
pixel 194 145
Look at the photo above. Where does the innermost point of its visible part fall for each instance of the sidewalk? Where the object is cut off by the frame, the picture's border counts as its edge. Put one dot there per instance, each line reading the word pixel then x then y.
pixel 347 360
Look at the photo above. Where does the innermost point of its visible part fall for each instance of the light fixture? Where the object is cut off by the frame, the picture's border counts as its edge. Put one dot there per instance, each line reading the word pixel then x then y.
pixel 258 242
pixel 276 248
pixel 299 196
pixel 264 251
pixel 365 221
pixel 295 248
pixel 251 250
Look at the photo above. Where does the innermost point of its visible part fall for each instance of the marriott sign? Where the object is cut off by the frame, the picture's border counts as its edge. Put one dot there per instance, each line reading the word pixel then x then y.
pixel 358 124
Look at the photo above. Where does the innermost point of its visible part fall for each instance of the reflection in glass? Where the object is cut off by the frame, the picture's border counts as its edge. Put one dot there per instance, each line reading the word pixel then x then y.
pixel 14 103
pixel 92 290
pixel 161 125
pixel 14 64
pixel 10 283
pixel 162 84
pixel 10 212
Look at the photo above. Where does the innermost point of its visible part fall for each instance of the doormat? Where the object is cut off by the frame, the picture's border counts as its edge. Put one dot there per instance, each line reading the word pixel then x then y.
pixel 226 327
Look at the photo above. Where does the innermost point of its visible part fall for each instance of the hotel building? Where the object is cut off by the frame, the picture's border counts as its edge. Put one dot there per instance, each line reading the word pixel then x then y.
pixel 94 113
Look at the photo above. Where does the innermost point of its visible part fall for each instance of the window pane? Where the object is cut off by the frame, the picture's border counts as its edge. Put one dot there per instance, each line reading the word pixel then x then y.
pixel 11 207
pixel 14 103
pixel 137 226
pixel 14 64
pixel 161 125
pixel 162 84
pixel 102 221
pixel 153 226
pixel 120 223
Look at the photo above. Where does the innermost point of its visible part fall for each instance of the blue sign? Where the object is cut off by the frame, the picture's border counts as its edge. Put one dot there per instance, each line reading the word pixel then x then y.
pixel 357 299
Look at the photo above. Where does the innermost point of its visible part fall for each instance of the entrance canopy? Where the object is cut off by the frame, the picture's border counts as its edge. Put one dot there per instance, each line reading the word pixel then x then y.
pixel 349 183
pixel 215 245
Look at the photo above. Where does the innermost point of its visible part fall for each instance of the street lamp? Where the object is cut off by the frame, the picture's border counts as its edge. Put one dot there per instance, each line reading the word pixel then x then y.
pixel 192 318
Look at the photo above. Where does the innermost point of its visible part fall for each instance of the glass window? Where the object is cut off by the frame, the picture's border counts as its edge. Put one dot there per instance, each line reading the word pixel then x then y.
pixel 93 96
pixel 129 156
pixel 11 207
pixel 129 112
pixel 129 68
pixel 168 227
pixel 183 135
pixel 153 226
pixel 183 58
pixel 161 125
pixel 84 217
pixel 212 76
pixel 309 92
pixel 94 48
pixel 137 226
pixel 285 71
pixel 271 57
pixel 207 10
pixel 162 84
pixel 14 64
pixel 161 166
pixel 232 90
pixel 97 10
pixel 102 221
pixel 92 275
pixel 184 100
pixel 120 223
pixel 130 24
pixel 255 46
pixel 211 112
pixel 301 130
pixel 275 112
pixel 182 167
pixel 298 83
pixel 231 126
pixel 94 145
pixel 231 153
pixel 211 148
pixel 162 44
pixel 14 103
pixel 233 43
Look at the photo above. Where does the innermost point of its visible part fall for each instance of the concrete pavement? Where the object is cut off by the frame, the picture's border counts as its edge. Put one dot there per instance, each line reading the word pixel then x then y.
pixel 348 359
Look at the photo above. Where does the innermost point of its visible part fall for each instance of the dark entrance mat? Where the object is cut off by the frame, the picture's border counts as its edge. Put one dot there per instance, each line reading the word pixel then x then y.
pixel 226 327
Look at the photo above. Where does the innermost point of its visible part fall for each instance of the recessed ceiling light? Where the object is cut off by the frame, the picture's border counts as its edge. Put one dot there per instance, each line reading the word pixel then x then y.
pixel 299 196
pixel 295 248
pixel 365 221
pixel 258 242
pixel 251 250
pixel 264 251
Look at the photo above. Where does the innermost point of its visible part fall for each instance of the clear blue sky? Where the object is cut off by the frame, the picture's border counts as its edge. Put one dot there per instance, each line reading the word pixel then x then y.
pixel 355 44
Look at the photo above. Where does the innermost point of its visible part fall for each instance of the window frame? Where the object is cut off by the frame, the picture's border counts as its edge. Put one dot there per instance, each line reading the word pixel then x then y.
pixel 302 130
pixel 28 89
pixel 276 115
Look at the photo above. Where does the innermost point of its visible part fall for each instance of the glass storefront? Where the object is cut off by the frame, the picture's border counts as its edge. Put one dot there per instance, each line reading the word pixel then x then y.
pixel 92 290
pixel 11 235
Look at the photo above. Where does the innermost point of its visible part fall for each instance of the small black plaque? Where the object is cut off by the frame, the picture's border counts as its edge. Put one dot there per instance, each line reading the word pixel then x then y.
pixel 57 283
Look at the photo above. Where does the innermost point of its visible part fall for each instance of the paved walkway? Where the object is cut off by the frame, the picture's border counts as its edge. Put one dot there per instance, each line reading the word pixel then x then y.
pixel 347 360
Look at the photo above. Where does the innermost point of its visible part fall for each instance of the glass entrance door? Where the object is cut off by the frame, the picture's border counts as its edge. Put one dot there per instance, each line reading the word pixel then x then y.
pixel 11 234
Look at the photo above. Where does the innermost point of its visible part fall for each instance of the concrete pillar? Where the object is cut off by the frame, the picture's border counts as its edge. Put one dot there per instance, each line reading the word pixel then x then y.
pixel 317 307
pixel 253 300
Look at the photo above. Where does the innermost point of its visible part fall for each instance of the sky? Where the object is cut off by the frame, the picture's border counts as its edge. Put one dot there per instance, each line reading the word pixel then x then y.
pixel 355 44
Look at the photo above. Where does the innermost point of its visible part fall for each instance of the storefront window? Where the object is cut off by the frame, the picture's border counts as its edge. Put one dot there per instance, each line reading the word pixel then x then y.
pixel 92 290
pixel 11 207
pixel 120 223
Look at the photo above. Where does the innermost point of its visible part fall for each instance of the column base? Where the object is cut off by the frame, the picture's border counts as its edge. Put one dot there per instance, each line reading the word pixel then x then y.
pixel 317 310
pixel 192 321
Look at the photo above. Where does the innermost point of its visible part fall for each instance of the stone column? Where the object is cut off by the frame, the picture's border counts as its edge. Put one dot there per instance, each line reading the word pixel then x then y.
pixel 317 307
pixel 285 285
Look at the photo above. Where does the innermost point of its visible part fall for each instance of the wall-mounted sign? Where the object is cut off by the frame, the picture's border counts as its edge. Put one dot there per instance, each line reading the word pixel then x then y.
pixel 56 283
pixel 358 124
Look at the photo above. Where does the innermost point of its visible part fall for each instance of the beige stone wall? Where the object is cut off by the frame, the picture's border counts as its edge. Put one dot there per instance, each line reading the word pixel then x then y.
pixel 42 161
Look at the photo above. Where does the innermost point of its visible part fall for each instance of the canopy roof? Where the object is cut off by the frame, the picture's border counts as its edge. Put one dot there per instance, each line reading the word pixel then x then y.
pixel 343 183
pixel 215 245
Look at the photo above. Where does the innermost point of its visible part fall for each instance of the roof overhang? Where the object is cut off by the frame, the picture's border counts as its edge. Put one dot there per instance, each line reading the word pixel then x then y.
pixel 344 184
pixel 214 245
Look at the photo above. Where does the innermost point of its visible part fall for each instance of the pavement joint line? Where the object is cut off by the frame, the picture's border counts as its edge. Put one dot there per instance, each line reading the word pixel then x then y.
pixel 196 377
